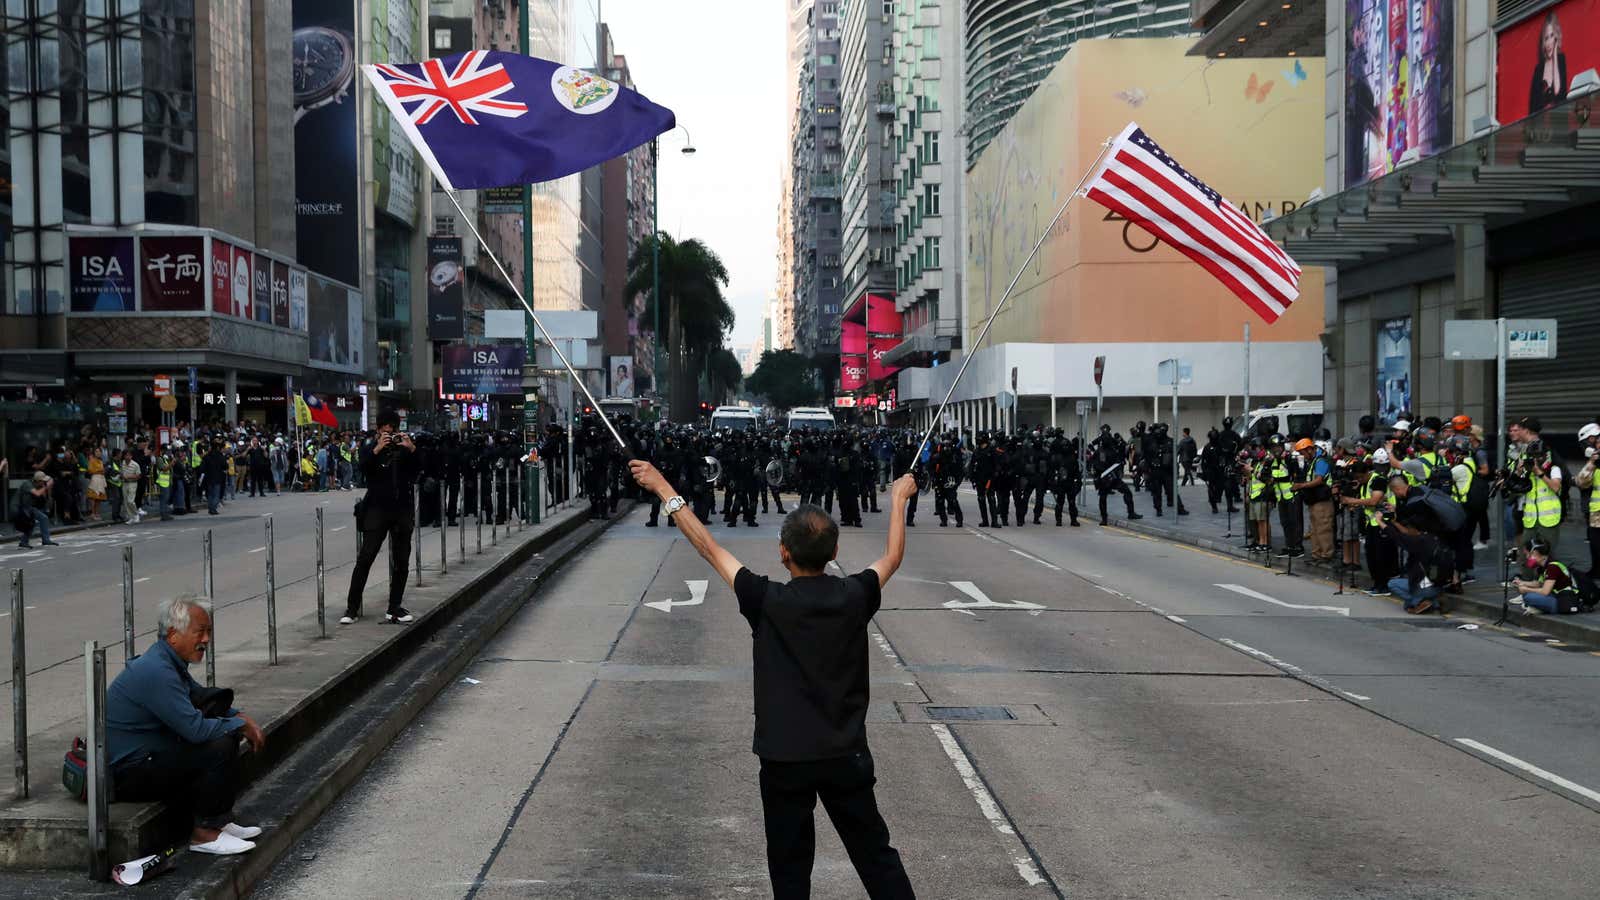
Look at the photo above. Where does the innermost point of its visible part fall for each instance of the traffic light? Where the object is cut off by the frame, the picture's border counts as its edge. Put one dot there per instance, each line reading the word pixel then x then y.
pixel 705 407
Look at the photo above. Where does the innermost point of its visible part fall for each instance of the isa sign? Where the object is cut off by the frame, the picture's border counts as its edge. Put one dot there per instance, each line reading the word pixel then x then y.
pixel 484 368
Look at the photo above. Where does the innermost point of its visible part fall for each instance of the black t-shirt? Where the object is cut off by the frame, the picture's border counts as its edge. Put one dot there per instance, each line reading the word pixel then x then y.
pixel 810 655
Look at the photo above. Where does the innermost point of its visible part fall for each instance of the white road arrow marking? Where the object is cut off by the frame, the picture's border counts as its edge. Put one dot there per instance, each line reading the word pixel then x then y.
pixel 980 600
pixel 697 596
pixel 1246 592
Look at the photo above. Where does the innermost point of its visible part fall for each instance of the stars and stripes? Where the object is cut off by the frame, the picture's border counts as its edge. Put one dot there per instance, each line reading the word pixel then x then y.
pixel 1138 180
pixel 467 87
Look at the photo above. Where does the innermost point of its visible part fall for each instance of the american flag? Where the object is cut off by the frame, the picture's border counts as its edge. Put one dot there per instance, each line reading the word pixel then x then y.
pixel 1140 181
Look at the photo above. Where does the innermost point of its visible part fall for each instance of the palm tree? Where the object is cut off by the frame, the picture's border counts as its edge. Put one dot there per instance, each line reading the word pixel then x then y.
pixel 697 316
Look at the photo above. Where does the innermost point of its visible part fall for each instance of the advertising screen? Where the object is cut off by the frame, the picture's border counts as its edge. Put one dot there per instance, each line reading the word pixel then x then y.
pixel 1538 57
pixel 1400 68
pixel 327 183
pixel 102 274
pixel 172 273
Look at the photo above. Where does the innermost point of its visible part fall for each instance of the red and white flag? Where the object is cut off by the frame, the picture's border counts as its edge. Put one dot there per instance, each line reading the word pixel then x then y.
pixel 1137 179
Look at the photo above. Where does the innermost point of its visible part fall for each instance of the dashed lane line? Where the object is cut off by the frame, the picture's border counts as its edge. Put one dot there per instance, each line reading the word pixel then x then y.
pixel 1028 556
pixel 1255 595
pixel 1021 859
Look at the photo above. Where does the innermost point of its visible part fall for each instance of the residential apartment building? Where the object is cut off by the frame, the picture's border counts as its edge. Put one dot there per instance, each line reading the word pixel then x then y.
pixel 798 43
pixel 928 178
pixel 817 159
pixel 867 112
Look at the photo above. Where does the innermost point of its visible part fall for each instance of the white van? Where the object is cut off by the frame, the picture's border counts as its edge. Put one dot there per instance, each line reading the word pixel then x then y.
pixel 1296 418
pixel 813 417
pixel 737 418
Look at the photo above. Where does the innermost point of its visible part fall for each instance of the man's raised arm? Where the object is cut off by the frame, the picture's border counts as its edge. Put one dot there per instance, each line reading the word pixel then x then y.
pixel 899 494
pixel 693 529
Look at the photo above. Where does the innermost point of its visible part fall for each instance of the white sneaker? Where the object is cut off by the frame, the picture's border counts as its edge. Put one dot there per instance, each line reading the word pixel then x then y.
pixel 225 845
pixel 347 620
pixel 1481 545
pixel 242 832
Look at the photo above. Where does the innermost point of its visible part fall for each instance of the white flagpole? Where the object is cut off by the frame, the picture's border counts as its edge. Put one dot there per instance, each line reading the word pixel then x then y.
pixel 967 360
pixel 525 305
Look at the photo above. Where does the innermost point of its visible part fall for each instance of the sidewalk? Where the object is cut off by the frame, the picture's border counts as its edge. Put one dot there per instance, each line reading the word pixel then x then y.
pixel 380 674
pixel 1209 531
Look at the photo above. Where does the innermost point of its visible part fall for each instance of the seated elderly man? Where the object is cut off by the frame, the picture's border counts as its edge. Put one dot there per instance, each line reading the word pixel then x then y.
pixel 161 746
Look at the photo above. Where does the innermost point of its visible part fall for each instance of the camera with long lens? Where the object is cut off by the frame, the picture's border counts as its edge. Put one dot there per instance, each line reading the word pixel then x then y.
pixel 1348 475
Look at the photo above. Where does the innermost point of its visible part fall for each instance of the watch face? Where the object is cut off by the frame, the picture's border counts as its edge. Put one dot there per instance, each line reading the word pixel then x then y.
pixel 323 62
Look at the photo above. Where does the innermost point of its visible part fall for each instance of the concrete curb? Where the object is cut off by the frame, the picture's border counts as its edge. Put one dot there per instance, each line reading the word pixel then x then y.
pixel 1576 629
pixel 297 792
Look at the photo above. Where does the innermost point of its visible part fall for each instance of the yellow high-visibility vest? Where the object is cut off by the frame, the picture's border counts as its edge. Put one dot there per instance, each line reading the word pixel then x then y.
pixel 1542 506
pixel 1280 474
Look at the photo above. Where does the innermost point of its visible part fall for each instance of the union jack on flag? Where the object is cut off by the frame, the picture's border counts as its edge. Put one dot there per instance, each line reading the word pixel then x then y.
pixel 487 118
pixel 466 88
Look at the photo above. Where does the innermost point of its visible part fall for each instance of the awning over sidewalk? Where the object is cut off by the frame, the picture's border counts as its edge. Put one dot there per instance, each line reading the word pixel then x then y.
pixel 1542 164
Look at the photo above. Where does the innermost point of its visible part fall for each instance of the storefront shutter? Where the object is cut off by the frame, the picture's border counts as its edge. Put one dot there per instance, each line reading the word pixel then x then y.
pixel 1567 289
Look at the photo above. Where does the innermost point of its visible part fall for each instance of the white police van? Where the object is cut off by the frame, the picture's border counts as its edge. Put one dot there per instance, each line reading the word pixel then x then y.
pixel 813 417
pixel 736 418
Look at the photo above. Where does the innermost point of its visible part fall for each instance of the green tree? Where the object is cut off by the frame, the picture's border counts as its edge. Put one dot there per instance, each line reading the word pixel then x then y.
pixel 785 378
pixel 723 375
pixel 695 314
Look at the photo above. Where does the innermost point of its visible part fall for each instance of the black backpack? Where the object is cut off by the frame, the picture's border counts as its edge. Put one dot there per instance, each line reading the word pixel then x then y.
pixel 1588 590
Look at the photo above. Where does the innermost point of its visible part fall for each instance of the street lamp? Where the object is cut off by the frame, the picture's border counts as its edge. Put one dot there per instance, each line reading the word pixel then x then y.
pixel 655 252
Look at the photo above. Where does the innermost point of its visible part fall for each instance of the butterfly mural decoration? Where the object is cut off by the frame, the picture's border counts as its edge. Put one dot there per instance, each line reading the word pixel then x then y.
pixel 1257 90
pixel 1295 76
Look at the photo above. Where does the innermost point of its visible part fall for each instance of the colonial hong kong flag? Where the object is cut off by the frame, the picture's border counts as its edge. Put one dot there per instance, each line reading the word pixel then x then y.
pixel 486 118
pixel 1139 180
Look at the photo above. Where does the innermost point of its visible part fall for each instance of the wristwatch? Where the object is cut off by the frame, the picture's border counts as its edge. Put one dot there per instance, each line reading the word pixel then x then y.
pixel 674 504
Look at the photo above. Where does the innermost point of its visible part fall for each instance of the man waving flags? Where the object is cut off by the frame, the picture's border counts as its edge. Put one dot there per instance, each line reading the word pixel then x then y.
pixel 487 118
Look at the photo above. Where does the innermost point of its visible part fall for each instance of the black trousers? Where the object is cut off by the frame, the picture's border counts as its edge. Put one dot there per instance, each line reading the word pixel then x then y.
pixel 946 503
pixel 398 531
pixel 202 779
pixel 1070 498
pixel 789 792
pixel 1021 490
pixel 1112 487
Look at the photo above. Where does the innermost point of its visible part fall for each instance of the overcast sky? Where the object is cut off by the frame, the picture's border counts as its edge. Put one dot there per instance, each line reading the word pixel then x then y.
pixel 720 67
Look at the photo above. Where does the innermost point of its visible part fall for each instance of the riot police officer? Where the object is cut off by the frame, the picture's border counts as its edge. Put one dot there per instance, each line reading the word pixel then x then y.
pixel 1065 475
pixel 948 470
pixel 983 464
pixel 1160 458
pixel 1108 455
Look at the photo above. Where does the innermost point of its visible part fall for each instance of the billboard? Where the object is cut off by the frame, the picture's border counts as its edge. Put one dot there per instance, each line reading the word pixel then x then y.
pixel 1400 83
pixel 620 370
pixel 101 270
pixel 884 327
pixel 171 274
pixel 261 289
pixel 484 368
pixel 852 372
pixel 297 299
pixel 280 294
pixel 327 186
pixel 446 290
pixel 1537 58
pixel 334 317
pixel 221 268
pixel 1097 278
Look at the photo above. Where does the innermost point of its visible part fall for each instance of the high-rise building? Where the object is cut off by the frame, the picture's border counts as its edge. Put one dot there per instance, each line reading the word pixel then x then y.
pixel 928 178
pixel 1011 46
pixel 798 43
pixel 816 161
pixel 628 183
pixel 867 112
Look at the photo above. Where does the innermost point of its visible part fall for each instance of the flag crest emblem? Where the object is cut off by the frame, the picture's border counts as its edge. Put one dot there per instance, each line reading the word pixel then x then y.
pixel 584 93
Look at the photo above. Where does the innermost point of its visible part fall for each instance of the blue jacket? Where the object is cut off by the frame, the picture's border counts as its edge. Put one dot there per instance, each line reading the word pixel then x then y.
pixel 149 710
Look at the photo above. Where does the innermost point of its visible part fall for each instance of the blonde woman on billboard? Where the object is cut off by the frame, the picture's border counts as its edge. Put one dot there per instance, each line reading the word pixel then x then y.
pixel 1550 75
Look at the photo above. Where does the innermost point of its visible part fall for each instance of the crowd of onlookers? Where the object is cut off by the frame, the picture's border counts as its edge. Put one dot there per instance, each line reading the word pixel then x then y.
pixel 95 477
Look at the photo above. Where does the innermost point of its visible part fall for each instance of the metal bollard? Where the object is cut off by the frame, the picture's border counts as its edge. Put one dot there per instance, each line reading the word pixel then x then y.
pixel 94 670
pixel 477 518
pixel 499 508
pixel 272 600
pixel 444 550
pixel 208 582
pixel 461 518
pixel 416 535
pixel 127 603
pixel 322 584
pixel 19 688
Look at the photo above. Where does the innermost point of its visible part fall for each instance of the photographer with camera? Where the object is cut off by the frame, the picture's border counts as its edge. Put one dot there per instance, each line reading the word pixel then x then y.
pixel 1419 523
pixel 389 462
pixel 1255 467
pixel 1538 478
pixel 1470 490
pixel 1589 437
pixel 1552 590
pixel 1369 502
pixel 1282 476
pixel 1314 493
